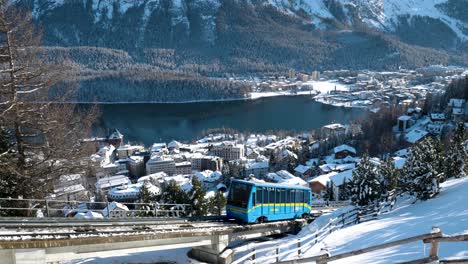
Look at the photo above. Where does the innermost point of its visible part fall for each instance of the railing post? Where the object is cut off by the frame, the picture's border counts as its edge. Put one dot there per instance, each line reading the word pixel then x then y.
pixel 277 253
pixel 108 213
pixel 298 247
pixel 254 254
pixel 155 210
pixel 47 207
pixel 434 251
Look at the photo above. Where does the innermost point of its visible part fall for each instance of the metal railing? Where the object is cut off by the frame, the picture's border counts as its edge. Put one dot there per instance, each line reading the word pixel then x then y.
pixel 62 208
pixel 281 250
pixel 434 239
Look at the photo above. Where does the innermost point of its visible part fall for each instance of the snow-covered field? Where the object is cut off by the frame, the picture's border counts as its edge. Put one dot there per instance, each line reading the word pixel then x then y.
pixel 322 87
pixel 178 256
pixel 448 210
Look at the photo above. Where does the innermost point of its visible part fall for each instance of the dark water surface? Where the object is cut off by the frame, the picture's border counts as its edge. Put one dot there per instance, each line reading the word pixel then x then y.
pixel 148 123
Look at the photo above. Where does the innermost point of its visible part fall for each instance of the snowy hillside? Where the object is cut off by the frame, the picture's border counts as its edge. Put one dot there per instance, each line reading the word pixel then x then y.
pixel 448 210
pixel 385 15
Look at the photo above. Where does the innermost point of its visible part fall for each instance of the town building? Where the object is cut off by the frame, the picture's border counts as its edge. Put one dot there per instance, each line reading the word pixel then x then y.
pixel 116 210
pixel 115 138
pixel 258 169
pixel 228 151
pixel 183 168
pixel 344 151
pixel 136 166
pixel 212 163
pixel 107 183
pixel 161 164
pixel 333 130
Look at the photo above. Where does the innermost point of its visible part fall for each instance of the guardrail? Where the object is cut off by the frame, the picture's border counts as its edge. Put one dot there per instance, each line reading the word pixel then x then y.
pixel 61 208
pixel 281 250
pixel 434 239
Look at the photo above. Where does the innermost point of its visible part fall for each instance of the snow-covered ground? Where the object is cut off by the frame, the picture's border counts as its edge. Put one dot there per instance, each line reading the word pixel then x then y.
pixel 173 256
pixel 448 210
pixel 322 87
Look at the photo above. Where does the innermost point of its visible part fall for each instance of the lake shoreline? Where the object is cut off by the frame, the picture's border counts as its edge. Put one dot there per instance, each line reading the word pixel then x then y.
pixel 254 96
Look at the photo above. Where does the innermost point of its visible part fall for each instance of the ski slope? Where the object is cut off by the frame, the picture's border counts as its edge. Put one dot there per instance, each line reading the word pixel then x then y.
pixel 448 210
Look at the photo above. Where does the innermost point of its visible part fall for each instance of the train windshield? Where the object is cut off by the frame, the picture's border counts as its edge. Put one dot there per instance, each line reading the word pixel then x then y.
pixel 239 195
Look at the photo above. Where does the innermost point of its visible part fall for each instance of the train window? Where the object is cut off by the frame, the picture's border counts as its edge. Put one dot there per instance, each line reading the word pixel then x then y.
pixel 239 195
pixel 271 192
pixel 283 196
pixel 259 195
pixel 307 197
pixel 298 196
pixel 265 195
pixel 278 196
pixel 288 196
pixel 254 199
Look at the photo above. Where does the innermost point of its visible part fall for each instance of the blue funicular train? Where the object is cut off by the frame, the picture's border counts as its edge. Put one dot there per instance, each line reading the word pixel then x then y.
pixel 253 202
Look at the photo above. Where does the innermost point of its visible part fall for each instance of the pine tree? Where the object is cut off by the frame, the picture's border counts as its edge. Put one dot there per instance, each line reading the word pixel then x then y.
pixel 174 195
pixel 329 194
pixel 146 197
pixel 344 191
pixel 197 198
pixel 420 176
pixel 456 156
pixel 217 203
pixel 366 183
pixel 390 176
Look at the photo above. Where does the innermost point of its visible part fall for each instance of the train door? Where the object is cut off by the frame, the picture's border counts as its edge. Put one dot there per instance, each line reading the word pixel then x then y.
pixel 287 194
pixel 278 207
pixel 259 208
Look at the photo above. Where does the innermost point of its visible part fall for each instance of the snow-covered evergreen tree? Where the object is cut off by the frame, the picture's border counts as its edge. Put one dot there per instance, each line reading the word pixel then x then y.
pixel 456 156
pixel 216 203
pixel 197 198
pixel 421 177
pixel 344 191
pixel 390 176
pixel 147 198
pixel 366 183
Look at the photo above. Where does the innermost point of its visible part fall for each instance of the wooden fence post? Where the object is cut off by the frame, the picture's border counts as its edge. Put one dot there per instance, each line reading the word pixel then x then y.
pixel 434 250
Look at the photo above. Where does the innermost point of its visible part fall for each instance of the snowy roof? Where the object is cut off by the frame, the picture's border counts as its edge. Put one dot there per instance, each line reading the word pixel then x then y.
pixel 174 144
pixel 312 162
pixel 257 165
pixel 154 176
pixel 69 189
pixel 399 162
pixel 133 189
pixel 437 116
pixel 334 126
pixel 415 135
pixel 344 147
pixel 402 152
pixel 208 176
pixel 158 146
pixel 112 181
pixel 404 118
pixel 284 177
pixel 455 102
pixel 323 179
pixel 338 178
pixel 115 134
pixel 114 206
pixel 302 169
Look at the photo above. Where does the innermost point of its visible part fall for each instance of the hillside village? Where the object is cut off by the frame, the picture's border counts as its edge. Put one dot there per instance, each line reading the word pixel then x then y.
pixel 325 161
pixel 369 90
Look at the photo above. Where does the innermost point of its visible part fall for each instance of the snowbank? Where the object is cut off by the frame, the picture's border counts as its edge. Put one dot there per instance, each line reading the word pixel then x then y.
pixel 448 210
